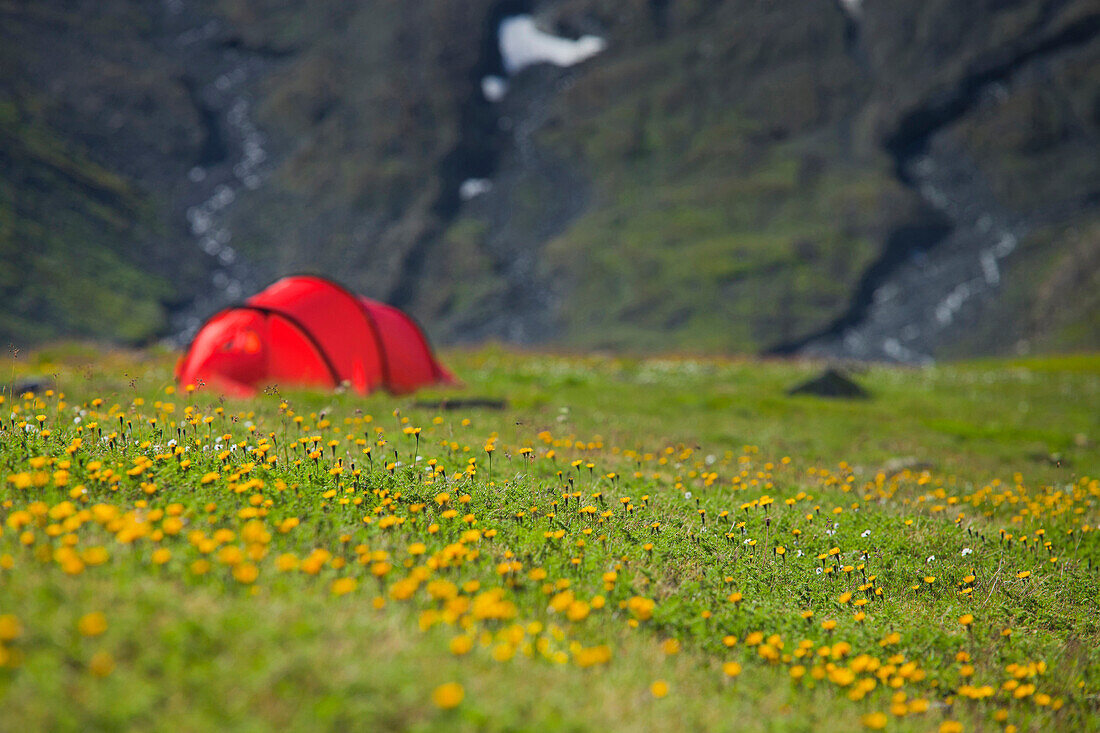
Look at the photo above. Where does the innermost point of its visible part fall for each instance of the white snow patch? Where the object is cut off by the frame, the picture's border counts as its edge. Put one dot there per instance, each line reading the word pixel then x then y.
pixel 852 7
pixel 1005 245
pixel 474 187
pixel 522 44
pixel 989 267
pixel 493 87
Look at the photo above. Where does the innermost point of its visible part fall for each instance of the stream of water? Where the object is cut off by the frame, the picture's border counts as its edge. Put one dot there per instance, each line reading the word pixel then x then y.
pixel 221 78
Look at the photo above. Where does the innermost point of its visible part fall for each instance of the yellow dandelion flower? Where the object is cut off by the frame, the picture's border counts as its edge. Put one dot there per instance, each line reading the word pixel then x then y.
pixel 659 689
pixel 10 628
pixel 101 664
pixel 875 721
pixel 343 586
pixel 246 573
pixel 92 624
pixel 461 645
pixel 448 695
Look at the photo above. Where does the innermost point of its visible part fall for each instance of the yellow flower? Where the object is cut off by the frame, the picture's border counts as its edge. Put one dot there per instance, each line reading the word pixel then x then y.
pixel 161 556
pixel 578 611
pixel 448 695
pixel 732 669
pixel 92 624
pixel 641 608
pixel 659 689
pixel 94 556
pixel 101 664
pixel 842 676
pixel 246 573
pixel 875 721
pixel 503 652
pixel 461 645
pixel 10 628
pixel 951 726
pixel 966 619
pixel 1023 574
pixel 343 586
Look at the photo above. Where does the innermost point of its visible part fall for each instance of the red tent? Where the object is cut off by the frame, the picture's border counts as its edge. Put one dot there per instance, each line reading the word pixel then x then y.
pixel 310 331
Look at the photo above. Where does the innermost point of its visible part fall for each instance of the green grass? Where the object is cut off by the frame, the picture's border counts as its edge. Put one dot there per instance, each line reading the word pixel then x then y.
pixel 220 573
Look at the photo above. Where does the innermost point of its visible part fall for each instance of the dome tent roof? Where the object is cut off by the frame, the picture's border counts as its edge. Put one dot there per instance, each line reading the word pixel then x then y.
pixel 308 330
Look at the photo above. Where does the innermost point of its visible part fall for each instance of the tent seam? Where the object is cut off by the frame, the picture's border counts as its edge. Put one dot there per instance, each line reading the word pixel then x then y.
pixel 267 311
pixel 372 326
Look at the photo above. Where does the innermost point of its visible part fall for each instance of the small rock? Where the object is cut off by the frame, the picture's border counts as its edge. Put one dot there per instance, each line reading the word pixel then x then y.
pixel 831 383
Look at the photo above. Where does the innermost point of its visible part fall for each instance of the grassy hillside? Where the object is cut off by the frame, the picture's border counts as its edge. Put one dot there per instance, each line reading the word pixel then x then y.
pixel 73 243
pixel 639 544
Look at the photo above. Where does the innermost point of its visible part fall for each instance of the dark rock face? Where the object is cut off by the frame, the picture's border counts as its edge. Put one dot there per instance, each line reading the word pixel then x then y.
pixel 831 383
pixel 925 291
pixel 899 181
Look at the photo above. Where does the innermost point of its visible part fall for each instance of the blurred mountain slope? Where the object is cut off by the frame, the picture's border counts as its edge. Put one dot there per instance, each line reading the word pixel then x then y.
pixel 725 176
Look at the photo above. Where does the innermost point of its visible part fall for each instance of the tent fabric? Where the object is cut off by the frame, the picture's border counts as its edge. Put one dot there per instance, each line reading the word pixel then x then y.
pixel 306 330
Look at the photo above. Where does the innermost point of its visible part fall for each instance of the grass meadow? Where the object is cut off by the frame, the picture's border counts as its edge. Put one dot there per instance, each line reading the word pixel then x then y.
pixel 635 544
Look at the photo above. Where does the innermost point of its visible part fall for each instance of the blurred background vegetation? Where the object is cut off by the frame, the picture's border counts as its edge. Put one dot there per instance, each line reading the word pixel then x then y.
pixel 731 176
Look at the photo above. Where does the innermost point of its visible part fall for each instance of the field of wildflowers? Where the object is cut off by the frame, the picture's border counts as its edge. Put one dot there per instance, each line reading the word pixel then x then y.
pixel 636 544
